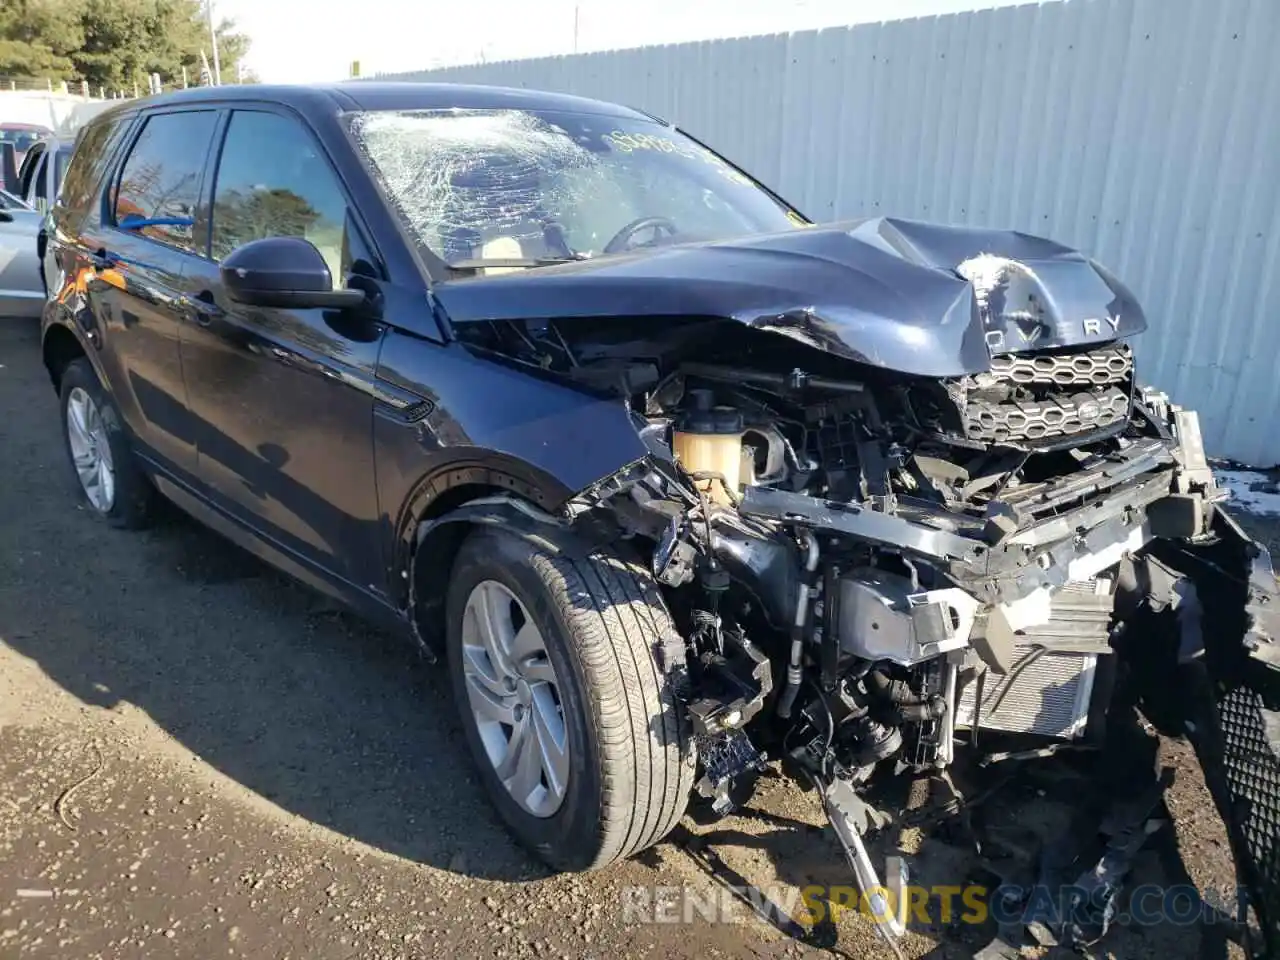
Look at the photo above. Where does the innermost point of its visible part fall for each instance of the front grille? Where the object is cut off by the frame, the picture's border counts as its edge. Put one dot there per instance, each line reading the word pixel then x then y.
pixel 1097 367
pixel 1245 763
pixel 1066 416
pixel 1037 401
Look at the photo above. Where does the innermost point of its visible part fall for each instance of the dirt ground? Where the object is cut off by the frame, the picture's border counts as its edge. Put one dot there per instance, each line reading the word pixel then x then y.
pixel 200 759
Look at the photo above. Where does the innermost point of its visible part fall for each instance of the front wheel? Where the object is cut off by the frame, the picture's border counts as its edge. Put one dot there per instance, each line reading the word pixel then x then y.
pixel 580 739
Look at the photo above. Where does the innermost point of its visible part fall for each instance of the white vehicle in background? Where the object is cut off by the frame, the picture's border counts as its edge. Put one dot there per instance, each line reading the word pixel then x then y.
pixel 21 284
pixel 38 180
pixel 33 160
pixel 29 192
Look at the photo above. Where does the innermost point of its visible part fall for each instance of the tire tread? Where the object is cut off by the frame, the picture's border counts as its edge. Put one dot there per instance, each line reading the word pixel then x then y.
pixel 616 616
pixel 648 781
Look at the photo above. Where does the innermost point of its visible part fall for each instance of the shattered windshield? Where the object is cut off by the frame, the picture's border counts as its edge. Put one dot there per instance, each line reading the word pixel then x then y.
pixel 525 188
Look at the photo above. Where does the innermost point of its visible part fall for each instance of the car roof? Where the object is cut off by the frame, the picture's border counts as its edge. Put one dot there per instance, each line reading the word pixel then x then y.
pixel 386 95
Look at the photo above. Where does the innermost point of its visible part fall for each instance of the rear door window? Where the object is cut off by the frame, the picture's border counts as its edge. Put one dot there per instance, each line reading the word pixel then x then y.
pixel 160 179
pixel 94 146
pixel 273 181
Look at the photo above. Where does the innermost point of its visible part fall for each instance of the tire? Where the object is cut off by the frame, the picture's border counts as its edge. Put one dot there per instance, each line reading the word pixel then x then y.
pixel 630 756
pixel 131 498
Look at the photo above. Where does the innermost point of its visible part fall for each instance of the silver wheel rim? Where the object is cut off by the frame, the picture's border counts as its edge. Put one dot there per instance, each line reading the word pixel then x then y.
pixel 90 450
pixel 514 698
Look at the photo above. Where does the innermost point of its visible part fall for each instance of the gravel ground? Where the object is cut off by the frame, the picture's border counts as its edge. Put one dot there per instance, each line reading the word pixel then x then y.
pixel 199 758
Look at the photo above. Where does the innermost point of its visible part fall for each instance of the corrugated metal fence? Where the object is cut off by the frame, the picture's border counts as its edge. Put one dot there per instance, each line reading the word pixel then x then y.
pixel 1145 132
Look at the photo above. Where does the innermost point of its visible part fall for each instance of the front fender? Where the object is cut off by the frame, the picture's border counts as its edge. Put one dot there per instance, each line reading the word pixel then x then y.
pixel 452 426
pixel 467 474
pixel 435 543
pixel 463 400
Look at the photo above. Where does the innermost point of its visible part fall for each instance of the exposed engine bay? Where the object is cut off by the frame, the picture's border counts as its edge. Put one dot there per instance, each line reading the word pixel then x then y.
pixel 872 568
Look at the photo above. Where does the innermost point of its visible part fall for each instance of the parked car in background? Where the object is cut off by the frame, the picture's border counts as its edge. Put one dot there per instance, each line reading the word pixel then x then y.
pixel 42 170
pixel 34 161
pixel 38 182
pixel 670 475
pixel 22 289
pixel 22 136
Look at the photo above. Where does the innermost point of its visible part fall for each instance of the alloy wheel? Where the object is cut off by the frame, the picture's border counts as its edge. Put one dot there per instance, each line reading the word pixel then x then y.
pixel 514 697
pixel 91 450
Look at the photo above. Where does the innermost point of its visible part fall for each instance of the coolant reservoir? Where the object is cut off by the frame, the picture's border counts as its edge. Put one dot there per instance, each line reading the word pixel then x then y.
pixel 708 439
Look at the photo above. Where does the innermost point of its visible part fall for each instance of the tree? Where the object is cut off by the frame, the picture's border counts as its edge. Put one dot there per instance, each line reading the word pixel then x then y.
pixel 38 37
pixel 243 215
pixel 114 44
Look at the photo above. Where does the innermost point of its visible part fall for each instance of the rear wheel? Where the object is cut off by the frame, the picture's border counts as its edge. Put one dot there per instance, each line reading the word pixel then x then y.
pixel 111 483
pixel 577 731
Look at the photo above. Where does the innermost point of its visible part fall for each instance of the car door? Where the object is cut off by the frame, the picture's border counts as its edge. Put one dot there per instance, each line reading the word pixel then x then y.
pixel 29 173
pixel 55 169
pixel 39 193
pixel 138 245
pixel 283 398
pixel 21 293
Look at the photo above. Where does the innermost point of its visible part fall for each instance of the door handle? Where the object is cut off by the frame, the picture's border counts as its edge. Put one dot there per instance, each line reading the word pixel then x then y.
pixel 103 260
pixel 201 307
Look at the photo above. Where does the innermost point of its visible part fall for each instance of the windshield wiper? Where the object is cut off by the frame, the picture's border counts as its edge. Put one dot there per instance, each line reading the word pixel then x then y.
pixel 482 263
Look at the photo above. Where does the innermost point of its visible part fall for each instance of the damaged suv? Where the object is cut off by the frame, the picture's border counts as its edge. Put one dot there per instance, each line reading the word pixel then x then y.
pixel 677 481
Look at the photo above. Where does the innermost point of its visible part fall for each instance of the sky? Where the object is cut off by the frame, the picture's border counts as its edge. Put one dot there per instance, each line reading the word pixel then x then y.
pixel 299 41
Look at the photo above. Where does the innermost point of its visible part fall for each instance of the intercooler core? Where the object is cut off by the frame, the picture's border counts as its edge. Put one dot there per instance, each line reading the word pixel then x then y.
pixel 1050 697
pixel 1050 687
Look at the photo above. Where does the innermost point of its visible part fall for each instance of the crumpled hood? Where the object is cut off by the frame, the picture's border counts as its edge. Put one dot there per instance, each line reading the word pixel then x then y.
pixel 881 291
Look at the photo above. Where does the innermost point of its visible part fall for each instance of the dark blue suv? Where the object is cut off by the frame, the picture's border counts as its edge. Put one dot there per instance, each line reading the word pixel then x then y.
pixel 678 482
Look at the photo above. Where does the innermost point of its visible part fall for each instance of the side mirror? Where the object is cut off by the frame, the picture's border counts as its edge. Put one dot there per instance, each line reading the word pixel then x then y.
pixel 284 272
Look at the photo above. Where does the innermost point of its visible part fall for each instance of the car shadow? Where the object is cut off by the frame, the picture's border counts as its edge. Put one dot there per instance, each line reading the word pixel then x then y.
pixel 282 691
pixel 263 679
